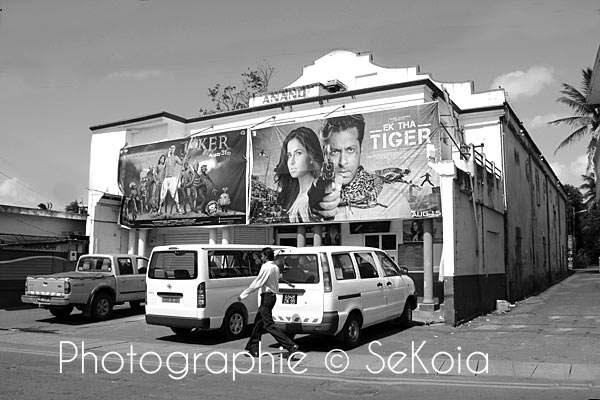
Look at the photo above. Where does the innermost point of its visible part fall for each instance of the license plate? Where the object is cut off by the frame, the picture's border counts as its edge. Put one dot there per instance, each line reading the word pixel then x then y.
pixel 170 299
pixel 45 299
pixel 290 299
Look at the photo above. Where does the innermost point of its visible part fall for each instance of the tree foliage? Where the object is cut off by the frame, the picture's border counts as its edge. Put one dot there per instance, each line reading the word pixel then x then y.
pixel 586 118
pixel 72 207
pixel 588 190
pixel 230 97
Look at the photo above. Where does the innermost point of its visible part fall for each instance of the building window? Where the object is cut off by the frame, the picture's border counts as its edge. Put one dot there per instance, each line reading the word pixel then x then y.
pixel 537 186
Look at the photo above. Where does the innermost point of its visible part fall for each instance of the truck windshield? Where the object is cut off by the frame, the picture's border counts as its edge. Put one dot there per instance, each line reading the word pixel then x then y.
pixel 94 264
pixel 173 265
pixel 298 268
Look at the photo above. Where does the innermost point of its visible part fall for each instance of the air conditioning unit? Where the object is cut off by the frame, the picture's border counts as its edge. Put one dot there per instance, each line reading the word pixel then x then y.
pixel 335 86
pixel 72 255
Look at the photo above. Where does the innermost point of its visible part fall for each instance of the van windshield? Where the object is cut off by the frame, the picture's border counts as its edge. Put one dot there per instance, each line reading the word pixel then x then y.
pixel 173 265
pixel 298 268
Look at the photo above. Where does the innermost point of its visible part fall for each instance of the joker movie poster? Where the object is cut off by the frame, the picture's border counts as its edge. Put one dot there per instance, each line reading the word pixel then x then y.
pixel 355 167
pixel 199 180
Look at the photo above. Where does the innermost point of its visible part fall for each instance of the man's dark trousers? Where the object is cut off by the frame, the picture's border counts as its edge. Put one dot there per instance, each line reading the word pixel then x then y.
pixel 264 321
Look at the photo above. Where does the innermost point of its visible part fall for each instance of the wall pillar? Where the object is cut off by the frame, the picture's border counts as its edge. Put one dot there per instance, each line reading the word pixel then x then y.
pixel 428 261
pixel 317 235
pixel 301 236
pixel 212 236
pixel 226 235
pixel 142 240
pixel 133 241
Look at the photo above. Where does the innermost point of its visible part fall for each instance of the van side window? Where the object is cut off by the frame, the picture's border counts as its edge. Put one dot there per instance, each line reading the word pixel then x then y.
pixel 366 265
pixel 389 267
pixel 254 261
pixel 125 266
pixel 343 267
pixel 231 264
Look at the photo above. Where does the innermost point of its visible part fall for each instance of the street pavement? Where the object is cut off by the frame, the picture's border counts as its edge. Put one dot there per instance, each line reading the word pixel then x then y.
pixel 554 335
pixel 549 338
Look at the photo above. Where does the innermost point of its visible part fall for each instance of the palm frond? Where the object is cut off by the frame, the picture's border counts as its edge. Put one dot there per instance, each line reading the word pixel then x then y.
pixel 573 137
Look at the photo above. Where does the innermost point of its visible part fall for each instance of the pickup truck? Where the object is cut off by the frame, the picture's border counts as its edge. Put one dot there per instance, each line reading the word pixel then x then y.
pixel 99 282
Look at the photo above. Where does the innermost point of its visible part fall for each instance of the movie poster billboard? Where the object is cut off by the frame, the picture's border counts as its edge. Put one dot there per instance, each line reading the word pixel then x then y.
pixel 355 167
pixel 199 180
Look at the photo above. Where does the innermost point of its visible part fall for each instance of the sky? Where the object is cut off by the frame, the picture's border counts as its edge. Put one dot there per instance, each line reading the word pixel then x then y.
pixel 68 65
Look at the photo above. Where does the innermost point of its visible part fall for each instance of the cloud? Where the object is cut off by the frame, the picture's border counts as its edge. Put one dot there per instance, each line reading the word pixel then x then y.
pixel 523 84
pixel 571 173
pixel 540 121
pixel 11 193
pixel 134 75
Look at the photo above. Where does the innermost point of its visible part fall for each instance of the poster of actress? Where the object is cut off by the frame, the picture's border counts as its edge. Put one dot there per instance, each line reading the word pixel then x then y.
pixel 349 167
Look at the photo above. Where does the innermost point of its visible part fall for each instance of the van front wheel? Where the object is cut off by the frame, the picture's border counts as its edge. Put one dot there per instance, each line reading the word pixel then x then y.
pixel 234 323
pixel 350 334
pixel 406 319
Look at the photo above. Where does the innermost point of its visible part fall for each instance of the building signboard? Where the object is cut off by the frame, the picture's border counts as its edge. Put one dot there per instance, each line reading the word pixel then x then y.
pixel 199 180
pixel 384 176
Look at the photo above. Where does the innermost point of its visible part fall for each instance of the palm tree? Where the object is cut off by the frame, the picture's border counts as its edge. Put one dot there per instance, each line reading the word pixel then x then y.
pixel 588 189
pixel 586 121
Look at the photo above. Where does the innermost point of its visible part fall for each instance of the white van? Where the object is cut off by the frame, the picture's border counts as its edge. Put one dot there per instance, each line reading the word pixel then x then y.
pixel 338 290
pixel 195 286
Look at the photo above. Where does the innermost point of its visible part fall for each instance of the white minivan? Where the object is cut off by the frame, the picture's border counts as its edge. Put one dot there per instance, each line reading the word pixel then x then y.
pixel 195 286
pixel 338 290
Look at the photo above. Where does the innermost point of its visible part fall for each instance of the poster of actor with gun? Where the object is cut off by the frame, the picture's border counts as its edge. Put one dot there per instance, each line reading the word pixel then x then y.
pixel 198 180
pixel 353 167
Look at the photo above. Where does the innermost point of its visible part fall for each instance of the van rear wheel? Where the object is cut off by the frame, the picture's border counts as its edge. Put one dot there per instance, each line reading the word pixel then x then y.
pixel 350 334
pixel 135 305
pixel 234 323
pixel 181 331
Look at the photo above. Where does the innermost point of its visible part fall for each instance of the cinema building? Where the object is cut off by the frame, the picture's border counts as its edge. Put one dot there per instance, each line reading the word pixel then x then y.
pixel 451 185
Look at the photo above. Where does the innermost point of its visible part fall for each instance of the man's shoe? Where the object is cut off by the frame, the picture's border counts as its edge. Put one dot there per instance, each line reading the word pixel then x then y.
pixel 293 349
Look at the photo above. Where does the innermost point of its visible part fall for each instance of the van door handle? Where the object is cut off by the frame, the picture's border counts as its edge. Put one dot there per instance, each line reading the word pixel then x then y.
pixel 380 284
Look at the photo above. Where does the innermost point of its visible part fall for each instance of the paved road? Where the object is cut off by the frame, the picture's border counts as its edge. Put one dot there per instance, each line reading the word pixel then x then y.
pixel 546 343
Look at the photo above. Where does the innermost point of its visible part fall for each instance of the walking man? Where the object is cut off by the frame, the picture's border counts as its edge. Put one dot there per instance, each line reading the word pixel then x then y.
pixel 267 282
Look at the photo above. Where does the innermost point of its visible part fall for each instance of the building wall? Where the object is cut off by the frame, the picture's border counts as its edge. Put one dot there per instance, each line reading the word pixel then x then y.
pixel 51 254
pixel 478 277
pixel 37 222
pixel 536 221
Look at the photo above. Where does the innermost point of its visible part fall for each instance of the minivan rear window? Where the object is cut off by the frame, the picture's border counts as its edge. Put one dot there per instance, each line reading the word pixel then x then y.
pixel 173 265
pixel 298 268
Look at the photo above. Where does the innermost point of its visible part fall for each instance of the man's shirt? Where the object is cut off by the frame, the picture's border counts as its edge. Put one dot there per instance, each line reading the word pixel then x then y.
pixel 266 281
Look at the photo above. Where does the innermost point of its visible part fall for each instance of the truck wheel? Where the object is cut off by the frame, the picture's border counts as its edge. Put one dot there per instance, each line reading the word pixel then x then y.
pixel 234 323
pixel 407 316
pixel 350 334
pixel 61 312
pixel 102 306
pixel 135 305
